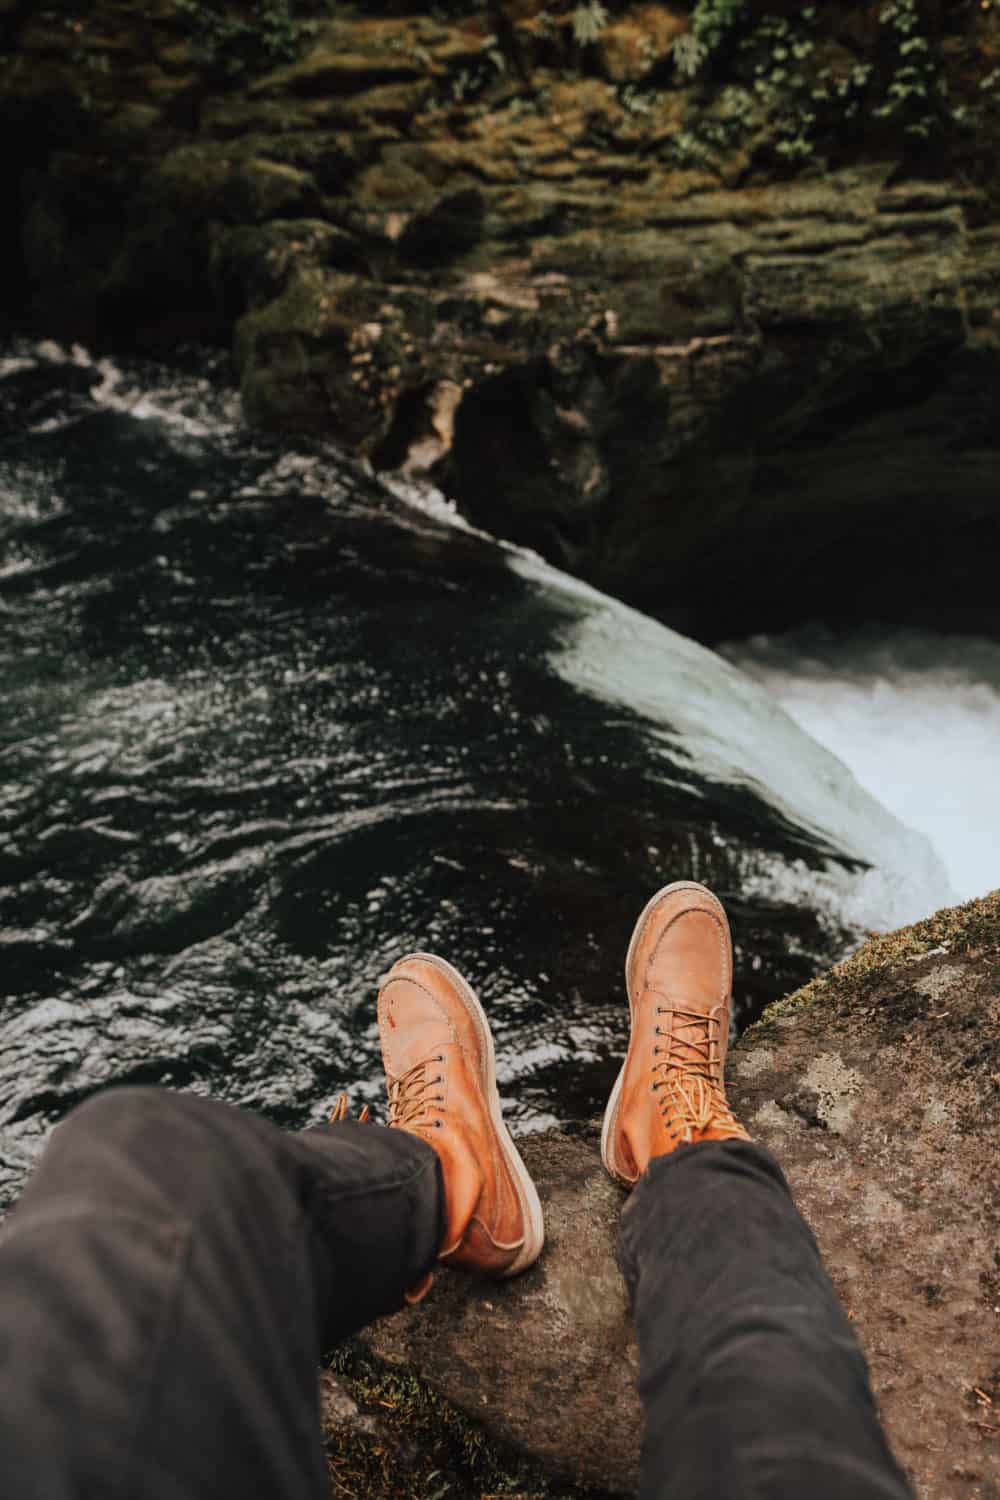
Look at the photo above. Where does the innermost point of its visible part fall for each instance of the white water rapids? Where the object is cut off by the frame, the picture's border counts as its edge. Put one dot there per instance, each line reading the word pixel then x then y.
pixel 722 722
pixel 915 716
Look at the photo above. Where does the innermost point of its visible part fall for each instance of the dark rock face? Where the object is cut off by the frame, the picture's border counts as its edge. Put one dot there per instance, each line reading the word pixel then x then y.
pixel 733 403
pixel 784 449
pixel 876 1087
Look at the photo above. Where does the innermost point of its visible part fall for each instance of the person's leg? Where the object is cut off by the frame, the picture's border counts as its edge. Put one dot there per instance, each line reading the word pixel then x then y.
pixel 751 1378
pixel 171 1276
pixel 176 1267
pixel 752 1381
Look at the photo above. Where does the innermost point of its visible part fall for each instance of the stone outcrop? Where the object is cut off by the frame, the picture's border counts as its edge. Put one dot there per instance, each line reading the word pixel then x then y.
pixel 548 1364
pixel 878 1088
pixel 462 248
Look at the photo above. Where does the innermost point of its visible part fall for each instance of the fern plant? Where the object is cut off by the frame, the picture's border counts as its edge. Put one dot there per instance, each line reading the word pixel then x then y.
pixel 916 96
pixel 235 40
pixel 688 54
pixel 589 20
pixel 713 20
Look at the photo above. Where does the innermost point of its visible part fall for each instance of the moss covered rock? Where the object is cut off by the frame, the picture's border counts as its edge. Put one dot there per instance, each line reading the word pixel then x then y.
pixel 878 1088
pixel 749 371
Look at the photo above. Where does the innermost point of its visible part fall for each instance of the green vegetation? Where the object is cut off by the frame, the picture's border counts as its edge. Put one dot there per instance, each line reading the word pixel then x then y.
pixel 236 39
pixel 421 1448
pixel 766 80
pixel 788 86
pixel 749 84
pixel 776 81
pixel 589 20
pixel 968 931
pixel 713 20
pixel 916 92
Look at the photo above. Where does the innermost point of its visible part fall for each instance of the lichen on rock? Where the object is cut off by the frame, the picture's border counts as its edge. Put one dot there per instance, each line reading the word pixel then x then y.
pixel 903 1062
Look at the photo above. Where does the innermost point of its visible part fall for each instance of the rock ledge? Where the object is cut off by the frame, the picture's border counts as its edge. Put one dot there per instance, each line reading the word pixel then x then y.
pixel 878 1088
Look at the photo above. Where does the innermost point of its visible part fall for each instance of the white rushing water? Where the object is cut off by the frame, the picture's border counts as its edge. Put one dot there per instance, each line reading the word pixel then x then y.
pixel 722 723
pixel 703 709
pixel 915 716
pixel 196 406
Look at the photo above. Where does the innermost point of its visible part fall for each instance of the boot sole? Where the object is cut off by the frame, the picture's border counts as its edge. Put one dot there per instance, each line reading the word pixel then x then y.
pixel 527 1193
pixel 609 1128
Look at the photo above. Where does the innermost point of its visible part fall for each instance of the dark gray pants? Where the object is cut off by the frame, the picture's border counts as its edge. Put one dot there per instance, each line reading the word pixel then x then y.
pixel 752 1381
pixel 176 1267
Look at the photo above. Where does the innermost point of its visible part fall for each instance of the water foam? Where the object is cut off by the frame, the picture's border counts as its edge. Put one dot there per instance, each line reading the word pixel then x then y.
pixel 915 716
pixel 706 710
pixel 191 405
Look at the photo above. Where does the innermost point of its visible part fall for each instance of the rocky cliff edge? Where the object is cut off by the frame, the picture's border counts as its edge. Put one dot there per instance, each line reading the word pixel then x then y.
pixel 878 1087
pixel 736 376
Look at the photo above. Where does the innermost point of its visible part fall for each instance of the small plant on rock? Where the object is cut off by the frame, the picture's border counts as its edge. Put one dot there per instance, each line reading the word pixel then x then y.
pixel 916 95
pixel 589 20
pixel 713 20
pixel 688 54
pixel 235 40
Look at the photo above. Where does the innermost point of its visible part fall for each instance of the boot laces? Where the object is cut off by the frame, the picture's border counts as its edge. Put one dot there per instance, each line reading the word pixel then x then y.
pixel 410 1099
pixel 687 1076
pixel 341 1112
pixel 411 1095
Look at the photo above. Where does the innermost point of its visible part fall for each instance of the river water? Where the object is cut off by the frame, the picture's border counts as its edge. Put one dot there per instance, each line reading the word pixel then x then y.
pixel 267 724
pixel 915 716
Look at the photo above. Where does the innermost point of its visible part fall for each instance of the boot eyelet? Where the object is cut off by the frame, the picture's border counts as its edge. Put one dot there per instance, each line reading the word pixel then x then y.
pixel 438 1124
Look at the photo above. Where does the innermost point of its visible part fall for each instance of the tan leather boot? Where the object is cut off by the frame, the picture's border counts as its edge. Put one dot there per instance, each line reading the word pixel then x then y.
pixel 670 1091
pixel 441 1076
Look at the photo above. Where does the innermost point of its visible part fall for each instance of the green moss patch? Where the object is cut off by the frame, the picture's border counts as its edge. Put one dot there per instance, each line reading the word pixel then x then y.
pixel 971 930
pixel 409 1444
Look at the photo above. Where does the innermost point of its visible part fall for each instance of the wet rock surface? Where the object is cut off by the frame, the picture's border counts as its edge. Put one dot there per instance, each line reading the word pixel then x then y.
pixel 878 1090
pixel 732 399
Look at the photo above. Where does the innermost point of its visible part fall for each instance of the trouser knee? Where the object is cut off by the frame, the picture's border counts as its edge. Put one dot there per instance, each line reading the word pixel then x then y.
pixel 124 1117
pixel 127 1144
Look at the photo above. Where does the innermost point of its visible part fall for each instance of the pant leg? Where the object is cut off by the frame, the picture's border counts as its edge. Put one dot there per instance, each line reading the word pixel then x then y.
pixel 170 1278
pixel 753 1384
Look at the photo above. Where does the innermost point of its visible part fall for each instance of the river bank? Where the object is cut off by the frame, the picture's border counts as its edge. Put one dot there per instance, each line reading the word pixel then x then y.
pixel 719 333
pixel 877 1088
pixel 479 246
